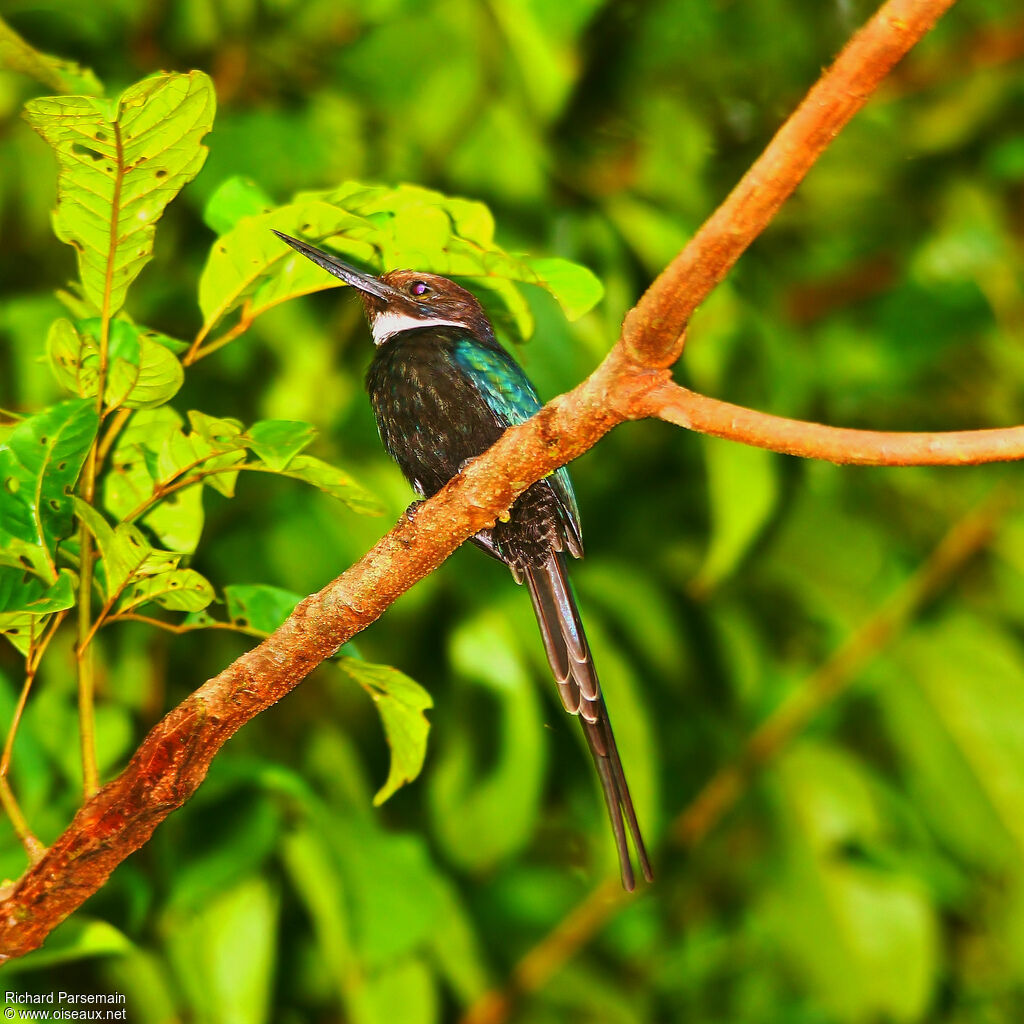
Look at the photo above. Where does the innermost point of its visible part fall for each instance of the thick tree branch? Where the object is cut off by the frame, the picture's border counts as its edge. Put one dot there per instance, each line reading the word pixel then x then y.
pixel 629 384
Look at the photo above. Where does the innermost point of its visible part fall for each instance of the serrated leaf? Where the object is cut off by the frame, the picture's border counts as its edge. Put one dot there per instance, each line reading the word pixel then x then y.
pixel 276 442
pixel 60 75
pixel 39 464
pixel 401 702
pixel 333 481
pixel 180 590
pixel 120 164
pixel 142 372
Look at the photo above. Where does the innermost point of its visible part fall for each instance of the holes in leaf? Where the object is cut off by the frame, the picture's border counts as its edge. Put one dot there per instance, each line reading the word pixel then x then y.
pixel 54 504
pixel 242 621
pixel 161 173
pixel 80 150
pixel 100 137
pixel 25 561
pixel 62 465
pixel 43 440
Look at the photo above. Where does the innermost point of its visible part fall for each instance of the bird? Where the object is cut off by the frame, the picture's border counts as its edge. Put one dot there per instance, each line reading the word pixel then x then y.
pixel 443 390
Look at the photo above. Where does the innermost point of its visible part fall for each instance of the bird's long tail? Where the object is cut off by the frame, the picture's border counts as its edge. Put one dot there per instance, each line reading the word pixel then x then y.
pixel 573 667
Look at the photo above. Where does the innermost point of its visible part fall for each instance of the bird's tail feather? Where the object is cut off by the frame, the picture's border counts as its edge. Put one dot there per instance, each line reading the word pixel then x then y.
pixel 573 666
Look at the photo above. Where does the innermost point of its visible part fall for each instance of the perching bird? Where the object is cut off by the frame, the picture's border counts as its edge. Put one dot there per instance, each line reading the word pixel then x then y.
pixel 443 391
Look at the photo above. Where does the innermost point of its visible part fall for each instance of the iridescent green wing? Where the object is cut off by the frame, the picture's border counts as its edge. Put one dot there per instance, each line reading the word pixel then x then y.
pixel 511 397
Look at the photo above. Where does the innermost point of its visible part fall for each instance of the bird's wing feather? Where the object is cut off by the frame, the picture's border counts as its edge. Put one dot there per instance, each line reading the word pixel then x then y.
pixel 512 399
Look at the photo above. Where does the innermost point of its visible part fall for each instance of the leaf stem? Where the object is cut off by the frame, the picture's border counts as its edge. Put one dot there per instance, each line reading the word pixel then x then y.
pixel 86 669
pixel 121 417
pixel 83 650
pixel 195 353
pixel 178 629
pixel 163 489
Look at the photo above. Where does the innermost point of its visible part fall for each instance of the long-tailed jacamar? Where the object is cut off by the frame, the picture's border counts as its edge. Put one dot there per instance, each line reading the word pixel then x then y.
pixel 443 391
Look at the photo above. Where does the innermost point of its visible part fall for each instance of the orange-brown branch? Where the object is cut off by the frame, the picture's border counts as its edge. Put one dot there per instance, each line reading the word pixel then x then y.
pixel 705 415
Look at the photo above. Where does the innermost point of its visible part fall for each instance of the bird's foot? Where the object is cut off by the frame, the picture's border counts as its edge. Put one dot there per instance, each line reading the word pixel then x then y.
pixel 413 509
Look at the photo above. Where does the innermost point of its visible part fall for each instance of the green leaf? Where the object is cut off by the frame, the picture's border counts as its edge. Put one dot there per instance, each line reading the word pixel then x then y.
pixel 130 483
pixel 60 75
pixel 401 702
pixel 241 267
pixel 333 481
pixel 277 441
pixel 26 602
pixel 142 372
pixel 315 876
pixel 120 164
pixel 742 491
pixel 181 590
pixel 383 228
pixel 865 938
pixel 259 607
pixel 234 199
pixel 402 990
pixel 577 289
pixel 39 464
pixel 225 953
pixel 484 803
pixel 126 555
pixel 954 712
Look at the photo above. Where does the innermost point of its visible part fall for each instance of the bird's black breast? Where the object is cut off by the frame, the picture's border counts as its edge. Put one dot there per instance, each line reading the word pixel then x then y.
pixel 430 415
pixel 432 418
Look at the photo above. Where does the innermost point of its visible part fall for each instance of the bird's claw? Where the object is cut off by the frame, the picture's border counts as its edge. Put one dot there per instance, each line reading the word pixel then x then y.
pixel 413 509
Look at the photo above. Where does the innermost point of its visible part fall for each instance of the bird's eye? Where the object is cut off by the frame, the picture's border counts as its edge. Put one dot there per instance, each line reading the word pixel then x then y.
pixel 419 288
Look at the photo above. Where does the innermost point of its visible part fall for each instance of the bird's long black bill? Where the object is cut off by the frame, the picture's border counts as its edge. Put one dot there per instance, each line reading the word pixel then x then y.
pixel 573 667
pixel 364 282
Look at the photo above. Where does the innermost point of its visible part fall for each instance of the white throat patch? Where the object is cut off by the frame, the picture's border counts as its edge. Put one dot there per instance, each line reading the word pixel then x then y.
pixel 385 325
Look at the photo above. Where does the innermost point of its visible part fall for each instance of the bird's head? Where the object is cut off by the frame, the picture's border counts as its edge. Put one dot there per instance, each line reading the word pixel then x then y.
pixel 401 300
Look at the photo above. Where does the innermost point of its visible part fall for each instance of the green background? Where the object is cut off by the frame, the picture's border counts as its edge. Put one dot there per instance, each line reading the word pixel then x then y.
pixel 875 871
